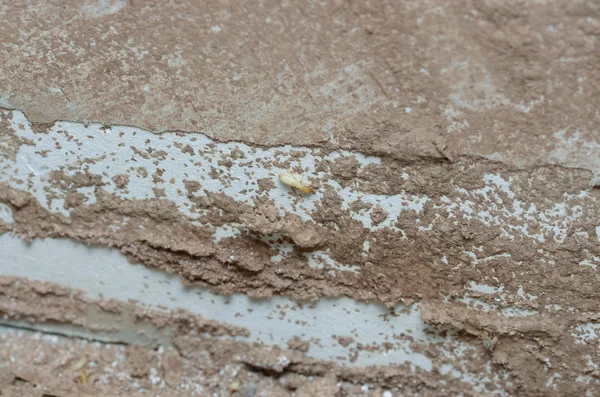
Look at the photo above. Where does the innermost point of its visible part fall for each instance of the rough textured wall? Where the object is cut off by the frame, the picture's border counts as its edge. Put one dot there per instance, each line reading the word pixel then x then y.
pixel 453 236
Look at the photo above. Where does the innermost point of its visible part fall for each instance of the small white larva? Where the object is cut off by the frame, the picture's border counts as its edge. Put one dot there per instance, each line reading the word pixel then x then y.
pixel 295 181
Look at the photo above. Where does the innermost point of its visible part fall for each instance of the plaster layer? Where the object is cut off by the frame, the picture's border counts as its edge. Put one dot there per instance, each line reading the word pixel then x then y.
pixel 512 81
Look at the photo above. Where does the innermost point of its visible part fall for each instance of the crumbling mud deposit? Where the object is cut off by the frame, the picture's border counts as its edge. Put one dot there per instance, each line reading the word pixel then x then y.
pixel 195 343
pixel 375 230
pixel 436 231
pixel 465 239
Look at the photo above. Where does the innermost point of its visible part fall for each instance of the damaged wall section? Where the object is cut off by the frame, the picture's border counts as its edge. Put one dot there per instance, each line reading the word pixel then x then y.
pixel 488 271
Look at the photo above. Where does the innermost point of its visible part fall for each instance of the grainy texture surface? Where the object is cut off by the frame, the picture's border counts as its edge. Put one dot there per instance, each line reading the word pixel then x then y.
pixel 46 365
pixel 453 149
pixel 182 354
pixel 509 80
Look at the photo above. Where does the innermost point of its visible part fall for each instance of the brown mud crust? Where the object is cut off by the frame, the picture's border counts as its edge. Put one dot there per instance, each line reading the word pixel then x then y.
pixel 414 263
pixel 184 354
pixel 444 93
pixel 421 79
pixel 519 348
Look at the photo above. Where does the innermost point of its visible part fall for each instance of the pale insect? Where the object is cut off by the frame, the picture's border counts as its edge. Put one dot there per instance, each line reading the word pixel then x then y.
pixel 488 341
pixel 294 180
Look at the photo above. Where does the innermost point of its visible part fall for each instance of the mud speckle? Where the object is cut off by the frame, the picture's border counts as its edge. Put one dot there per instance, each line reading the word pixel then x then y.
pixel 270 359
pixel 121 180
pixel 138 361
pixel 344 340
pixel 297 343
pixel 326 386
pixel 173 367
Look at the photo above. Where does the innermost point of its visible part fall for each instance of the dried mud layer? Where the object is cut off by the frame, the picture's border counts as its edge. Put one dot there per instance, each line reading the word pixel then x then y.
pixel 51 365
pixel 453 149
pixel 185 355
pixel 181 354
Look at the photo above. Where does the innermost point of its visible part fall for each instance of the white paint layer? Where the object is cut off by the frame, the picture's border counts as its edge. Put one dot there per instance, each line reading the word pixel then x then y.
pixel 6 213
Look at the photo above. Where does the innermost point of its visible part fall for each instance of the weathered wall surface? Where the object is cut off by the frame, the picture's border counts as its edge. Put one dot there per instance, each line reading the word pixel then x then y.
pixel 452 241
